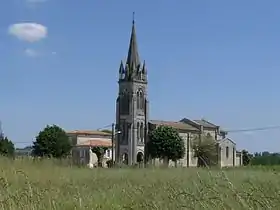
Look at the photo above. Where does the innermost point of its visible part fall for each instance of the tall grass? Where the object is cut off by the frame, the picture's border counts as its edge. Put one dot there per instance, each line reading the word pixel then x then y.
pixel 25 184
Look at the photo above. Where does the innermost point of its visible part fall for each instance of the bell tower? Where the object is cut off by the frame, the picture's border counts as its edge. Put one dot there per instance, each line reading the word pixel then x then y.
pixel 132 109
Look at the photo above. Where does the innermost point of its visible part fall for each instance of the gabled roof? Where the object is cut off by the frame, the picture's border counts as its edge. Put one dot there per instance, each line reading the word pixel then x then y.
pixel 176 125
pixel 190 122
pixel 226 139
pixel 206 123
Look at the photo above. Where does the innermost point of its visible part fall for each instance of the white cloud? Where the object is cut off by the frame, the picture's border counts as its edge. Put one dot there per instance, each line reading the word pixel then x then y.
pixel 30 32
pixel 35 1
pixel 31 53
pixel 35 53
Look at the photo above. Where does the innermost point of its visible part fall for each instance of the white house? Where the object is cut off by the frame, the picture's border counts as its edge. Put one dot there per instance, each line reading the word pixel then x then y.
pixel 84 140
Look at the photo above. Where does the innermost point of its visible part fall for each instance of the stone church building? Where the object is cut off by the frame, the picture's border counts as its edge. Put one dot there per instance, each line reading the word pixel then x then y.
pixel 133 122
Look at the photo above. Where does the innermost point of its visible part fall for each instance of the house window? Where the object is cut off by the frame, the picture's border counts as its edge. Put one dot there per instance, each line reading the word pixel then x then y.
pixel 108 153
pixel 227 152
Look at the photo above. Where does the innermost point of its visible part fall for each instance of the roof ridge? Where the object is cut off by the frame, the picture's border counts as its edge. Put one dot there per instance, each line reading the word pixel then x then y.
pixel 208 122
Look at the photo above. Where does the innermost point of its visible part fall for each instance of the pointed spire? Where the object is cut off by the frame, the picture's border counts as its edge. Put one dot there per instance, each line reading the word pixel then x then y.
pixel 133 59
pixel 121 69
pixel 144 71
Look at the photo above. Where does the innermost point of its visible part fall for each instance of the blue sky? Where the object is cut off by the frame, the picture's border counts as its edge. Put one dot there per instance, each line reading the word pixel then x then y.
pixel 213 59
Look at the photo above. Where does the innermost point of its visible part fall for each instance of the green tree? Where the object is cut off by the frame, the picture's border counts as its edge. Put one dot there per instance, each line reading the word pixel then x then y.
pixel 165 143
pixel 7 147
pixel 100 152
pixel 246 157
pixel 205 150
pixel 52 142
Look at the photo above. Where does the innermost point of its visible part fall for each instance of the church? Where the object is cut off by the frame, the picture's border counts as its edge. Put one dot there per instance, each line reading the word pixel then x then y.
pixel 133 122
pixel 127 144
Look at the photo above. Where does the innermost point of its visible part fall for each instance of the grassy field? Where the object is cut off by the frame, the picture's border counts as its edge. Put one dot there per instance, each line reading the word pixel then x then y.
pixel 44 185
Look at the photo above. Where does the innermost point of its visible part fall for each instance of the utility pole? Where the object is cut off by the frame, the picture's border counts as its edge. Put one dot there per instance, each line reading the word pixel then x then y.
pixel 113 138
pixel 1 132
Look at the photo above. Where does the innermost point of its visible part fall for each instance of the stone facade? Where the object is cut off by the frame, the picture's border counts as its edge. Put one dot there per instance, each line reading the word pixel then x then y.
pixel 133 124
pixel 190 130
pixel 132 106
pixel 227 153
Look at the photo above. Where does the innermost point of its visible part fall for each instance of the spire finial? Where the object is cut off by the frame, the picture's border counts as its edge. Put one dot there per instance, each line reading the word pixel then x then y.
pixel 133 59
pixel 133 18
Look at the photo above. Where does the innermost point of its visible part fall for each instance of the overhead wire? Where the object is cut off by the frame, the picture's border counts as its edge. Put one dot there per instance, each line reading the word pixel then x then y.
pixel 254 129
pixel 228 131
pixel 107 126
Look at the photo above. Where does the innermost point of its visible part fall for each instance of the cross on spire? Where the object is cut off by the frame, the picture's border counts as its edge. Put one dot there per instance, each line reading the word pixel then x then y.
pixel 133 58
pixel 133 18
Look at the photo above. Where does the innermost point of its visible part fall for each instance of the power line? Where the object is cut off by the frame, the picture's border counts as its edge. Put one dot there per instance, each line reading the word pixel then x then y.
pixel 229 131
pixel 107 126
pixel 254 129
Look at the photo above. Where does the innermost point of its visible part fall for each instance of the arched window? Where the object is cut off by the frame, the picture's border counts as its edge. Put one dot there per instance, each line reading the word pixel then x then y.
pixel 138 131
pixel 127 102
pixel 123 132
pixel 124 102
pixel 142 132
pixel 141 100
pixel 227 152
pixel 138 99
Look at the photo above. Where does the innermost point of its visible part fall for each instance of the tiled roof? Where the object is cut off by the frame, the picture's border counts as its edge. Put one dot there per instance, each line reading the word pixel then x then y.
pixel 205 123
pixel 96 143
pixel 88 132
pixel 176 125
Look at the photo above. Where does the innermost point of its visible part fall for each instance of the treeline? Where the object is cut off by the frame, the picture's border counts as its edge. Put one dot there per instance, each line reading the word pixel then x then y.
pixel 266 158
pixel 7 147
pixel 261 158
pixel 165 143
pixel 52 141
